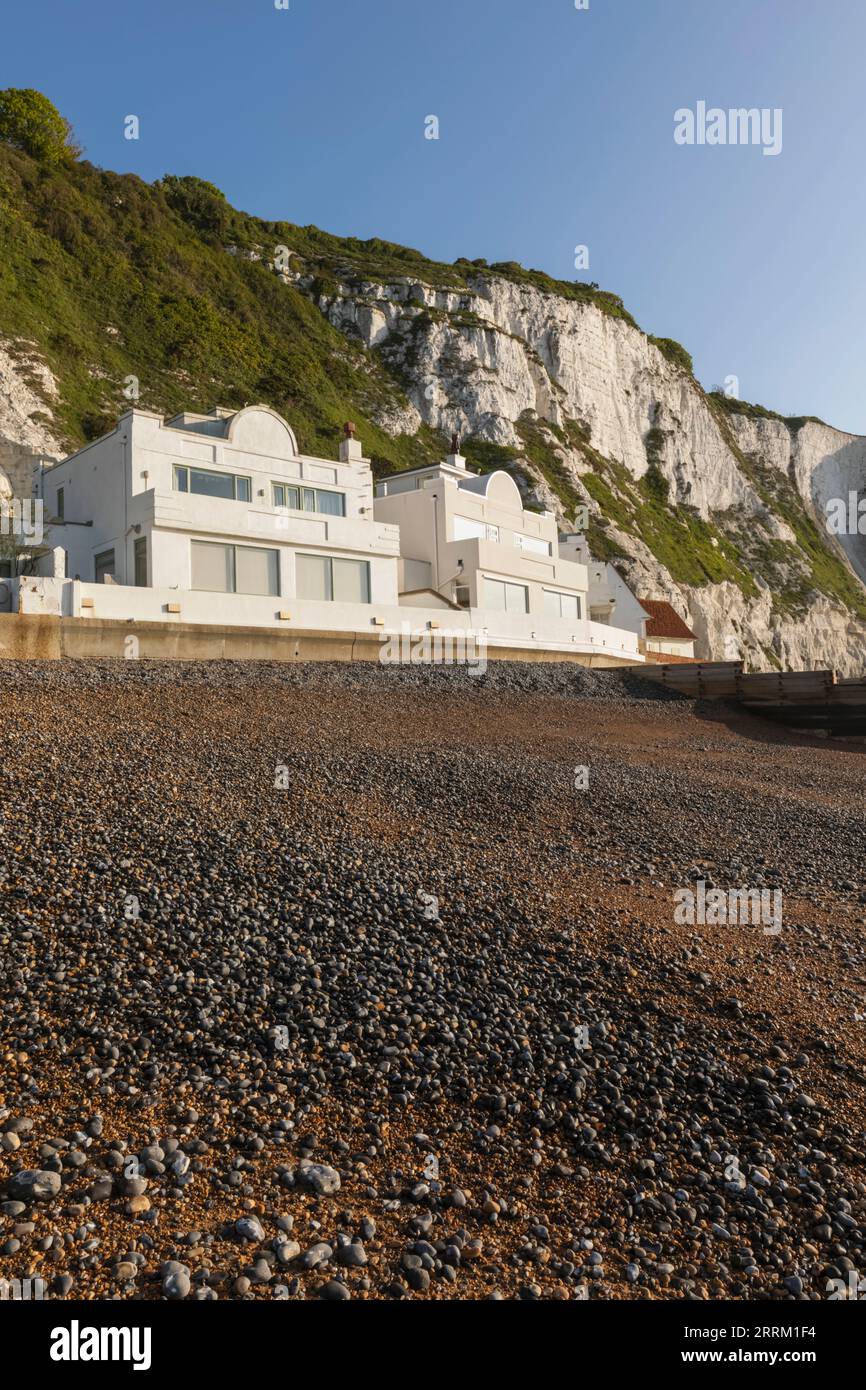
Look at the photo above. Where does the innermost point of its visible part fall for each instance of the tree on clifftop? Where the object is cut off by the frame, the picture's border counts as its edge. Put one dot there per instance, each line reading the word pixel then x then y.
pixel 30 122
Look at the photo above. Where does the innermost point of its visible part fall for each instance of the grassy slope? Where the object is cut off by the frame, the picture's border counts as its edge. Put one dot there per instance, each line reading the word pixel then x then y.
pixel 84 251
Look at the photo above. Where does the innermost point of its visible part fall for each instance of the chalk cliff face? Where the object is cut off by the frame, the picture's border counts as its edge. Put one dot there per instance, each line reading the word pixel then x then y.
pixel 503 361
pixel 26 428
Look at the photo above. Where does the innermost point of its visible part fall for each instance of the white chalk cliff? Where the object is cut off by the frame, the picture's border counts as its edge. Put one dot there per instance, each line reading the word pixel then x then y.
pixel 27 433
pixel 499 357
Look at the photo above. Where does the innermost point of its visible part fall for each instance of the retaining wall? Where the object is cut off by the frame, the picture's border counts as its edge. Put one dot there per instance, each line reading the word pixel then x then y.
pixel 27 636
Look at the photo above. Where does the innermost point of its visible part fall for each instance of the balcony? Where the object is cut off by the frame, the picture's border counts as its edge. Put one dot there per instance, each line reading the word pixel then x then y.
pixel 239 521
pixel 504 558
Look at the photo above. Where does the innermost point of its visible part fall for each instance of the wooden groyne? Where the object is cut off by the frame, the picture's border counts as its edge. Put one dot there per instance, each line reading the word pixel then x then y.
pixel 814 700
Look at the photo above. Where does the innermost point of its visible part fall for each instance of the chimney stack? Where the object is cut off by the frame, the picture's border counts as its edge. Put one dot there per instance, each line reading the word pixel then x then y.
pixel 350 447
pixel 455 458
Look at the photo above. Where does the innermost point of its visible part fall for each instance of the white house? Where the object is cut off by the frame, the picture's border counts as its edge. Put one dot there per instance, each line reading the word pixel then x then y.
pixel 219 519
pixel 610 599
pixel 467 539
pixel 666 632
pixel 223 505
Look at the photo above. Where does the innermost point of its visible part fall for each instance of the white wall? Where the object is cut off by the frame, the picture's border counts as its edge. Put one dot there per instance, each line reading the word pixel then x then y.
pixel 671 646
pixel 606 585
pixel 95 487
pixel 129 604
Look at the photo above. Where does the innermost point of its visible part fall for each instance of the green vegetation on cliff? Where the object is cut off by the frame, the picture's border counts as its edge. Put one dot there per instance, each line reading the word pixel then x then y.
pixel 113 278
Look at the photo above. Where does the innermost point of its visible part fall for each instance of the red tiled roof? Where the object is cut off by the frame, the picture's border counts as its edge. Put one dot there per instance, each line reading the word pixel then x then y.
pixel 664 621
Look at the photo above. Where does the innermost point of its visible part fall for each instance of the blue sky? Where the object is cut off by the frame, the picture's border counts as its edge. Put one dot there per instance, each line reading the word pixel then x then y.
pixel 556 129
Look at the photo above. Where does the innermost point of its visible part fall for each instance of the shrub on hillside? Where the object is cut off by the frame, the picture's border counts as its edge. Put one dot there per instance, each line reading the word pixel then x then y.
pixel 30 122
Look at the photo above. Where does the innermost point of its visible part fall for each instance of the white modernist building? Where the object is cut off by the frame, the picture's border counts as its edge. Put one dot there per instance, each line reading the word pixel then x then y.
pixel 468 538
pixel 221 519
pixel 222 504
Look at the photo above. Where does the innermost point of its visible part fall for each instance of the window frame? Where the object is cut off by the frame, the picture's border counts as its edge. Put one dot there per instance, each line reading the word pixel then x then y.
pixel 100 555
pixel 486 530
pixel 233 549
pixel 506 584
pixel 330 559
pixel 188 469
pixel 302 492
pixel 561 594
pixel 537 545
pixel 140 548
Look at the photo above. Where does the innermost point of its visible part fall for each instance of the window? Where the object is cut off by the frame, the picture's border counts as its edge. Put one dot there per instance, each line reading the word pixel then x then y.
pixel 559 605
pixel 206 483
pixel 308 499
pixel 256 570
pixel 61 504
pixel 140 551
pixel 234 569
pixel 213 567
pixel 326 577
pixel 504 597
pixel 462 596
pixel 313 576
pixel 467 528
pixel 532 543
pixel 351 581
pixel 331 503
pixel 103 564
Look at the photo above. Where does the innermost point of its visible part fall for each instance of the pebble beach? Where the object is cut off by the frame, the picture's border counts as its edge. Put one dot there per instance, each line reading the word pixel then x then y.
pixel 344 982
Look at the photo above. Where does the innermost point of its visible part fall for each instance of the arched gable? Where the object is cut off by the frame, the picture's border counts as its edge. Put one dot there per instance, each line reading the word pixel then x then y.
pixel 260 430
pixel 498 487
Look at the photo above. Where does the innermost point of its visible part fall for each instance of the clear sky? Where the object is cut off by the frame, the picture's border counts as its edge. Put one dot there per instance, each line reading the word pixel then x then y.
pixel 556 129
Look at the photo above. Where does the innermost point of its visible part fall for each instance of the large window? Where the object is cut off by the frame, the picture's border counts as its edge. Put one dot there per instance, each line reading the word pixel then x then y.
pixel 326 577
pixel 207 483
pixel 559 605
pixel 467 528
pixel 531 543
pixel 103 564
pixel 235 569
pixel 308 499
pixel 504 597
